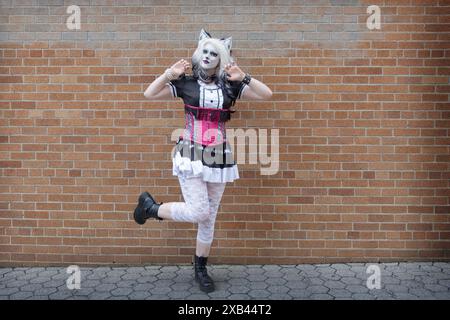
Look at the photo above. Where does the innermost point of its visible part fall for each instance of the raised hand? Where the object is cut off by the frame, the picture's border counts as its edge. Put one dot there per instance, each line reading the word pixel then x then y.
pixel 180 67
pixel 234 73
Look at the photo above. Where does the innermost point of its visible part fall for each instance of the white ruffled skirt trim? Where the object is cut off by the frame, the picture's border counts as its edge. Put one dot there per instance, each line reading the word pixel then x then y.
pixel 183 166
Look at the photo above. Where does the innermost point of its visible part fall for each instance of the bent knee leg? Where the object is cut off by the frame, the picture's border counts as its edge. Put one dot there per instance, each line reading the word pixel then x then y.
pixel 200 211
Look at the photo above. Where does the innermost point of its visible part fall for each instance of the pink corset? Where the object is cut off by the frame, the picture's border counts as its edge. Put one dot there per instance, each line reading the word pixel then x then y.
pixel 205 125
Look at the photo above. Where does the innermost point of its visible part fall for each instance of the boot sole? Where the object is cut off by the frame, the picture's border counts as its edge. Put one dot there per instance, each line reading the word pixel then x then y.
pixel 137 217
pixel 206 290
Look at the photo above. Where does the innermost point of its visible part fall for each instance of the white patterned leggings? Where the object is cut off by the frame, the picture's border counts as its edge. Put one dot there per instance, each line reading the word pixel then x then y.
pixel 202 200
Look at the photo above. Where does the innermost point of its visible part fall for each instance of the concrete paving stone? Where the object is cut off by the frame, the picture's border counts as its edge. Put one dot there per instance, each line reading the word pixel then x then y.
pixel 45 291
pixel 427 279
pixel 200 296
pixel 83 291
pixel 181 286
pixel 289 277
pixel 270 267
pixel 238 268
pixel 90 283
pixel 420 292
pixel 297 284
pixel 405 296
pixel 8 291
pixel 48 273
pixel 4 271
pixel 97 276
pixel 118 298
pixel 275 281
pixel 234 274
pixel 144 287
pixel 325 270
pixel 170 269
pixel 345 273
pixel 363 296
pixel 139 295
pixel 331 276
pixel 99 295
pixel 340 293
pixel 403 276
pixel 188 278
pixel 238 297
pixel 163 283
pixel 353 288
pixel 13 273
pixel 442 295
pixel 31 287
pixel 321 296
pixel 105 287
pixel 26 277
pixel 178 294
pixel 166 276
pixel 39 280
pixel 257 285
pixel 439 275
pixel 238 289
pixel 340 266
pixel 334 284
pixel 157 297
pixel 256 277
pixel 239 281
pixel 131 276
pixel 310 274
pixel 436 288
pixel 111 280
pixel 161 290
pixel 146 279
pixel 57 283
pixel 389 280
pixel 13 283
pixel 116 273
pixel 444 282
pixel 317 289
pixel 411 284
pixel 258 293
pixel 60 295
pixel 430 268
pixel 280 296
pixel 299 293
pixel 396 288
pixel 121 291
pixel 126 284
pixel 21 295
pixel 314 281
pixel 4 298
pixel 254 271
pixel 135 270
pixel 220 294
pixel 43 298
pixel 61 276
pixel 278 289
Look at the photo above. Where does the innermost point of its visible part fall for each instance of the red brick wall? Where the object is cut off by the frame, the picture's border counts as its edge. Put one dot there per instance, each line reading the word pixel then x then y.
pixel 363 117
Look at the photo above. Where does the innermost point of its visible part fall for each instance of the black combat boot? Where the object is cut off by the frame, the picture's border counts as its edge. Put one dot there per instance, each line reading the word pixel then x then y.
pixel 201 274
pixel 146 208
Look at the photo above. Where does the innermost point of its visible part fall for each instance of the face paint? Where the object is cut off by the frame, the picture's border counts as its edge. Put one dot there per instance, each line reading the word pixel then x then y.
pixel 210 57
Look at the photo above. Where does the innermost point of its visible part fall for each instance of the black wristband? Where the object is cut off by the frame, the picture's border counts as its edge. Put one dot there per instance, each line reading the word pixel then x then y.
pixel 247 79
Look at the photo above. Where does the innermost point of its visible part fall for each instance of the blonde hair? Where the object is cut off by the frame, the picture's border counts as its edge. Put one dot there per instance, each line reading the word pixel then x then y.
pixel 224 55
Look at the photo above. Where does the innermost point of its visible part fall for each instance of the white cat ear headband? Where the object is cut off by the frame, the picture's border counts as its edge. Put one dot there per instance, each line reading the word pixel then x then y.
pixel 226 42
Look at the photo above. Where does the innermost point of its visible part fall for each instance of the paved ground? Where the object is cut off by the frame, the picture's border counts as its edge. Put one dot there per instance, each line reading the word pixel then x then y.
pixel 336 281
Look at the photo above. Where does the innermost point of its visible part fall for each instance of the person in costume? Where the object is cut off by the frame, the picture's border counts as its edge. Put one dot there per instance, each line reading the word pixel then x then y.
pixel 203 160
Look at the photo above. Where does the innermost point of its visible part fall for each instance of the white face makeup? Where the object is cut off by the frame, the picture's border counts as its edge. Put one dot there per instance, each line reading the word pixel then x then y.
pixel 210 57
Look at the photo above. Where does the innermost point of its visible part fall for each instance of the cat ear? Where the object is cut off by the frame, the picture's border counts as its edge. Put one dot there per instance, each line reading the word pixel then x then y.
pixel 203 35
pixel 227 43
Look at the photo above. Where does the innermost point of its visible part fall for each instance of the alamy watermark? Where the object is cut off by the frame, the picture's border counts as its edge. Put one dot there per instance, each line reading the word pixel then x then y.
pixel 74 280
pixel 256 141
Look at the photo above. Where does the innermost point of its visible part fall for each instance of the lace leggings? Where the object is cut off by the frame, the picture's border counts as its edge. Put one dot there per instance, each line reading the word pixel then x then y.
pixel 202 200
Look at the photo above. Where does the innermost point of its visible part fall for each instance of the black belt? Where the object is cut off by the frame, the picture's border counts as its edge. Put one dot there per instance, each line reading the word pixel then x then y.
pixel 210 114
